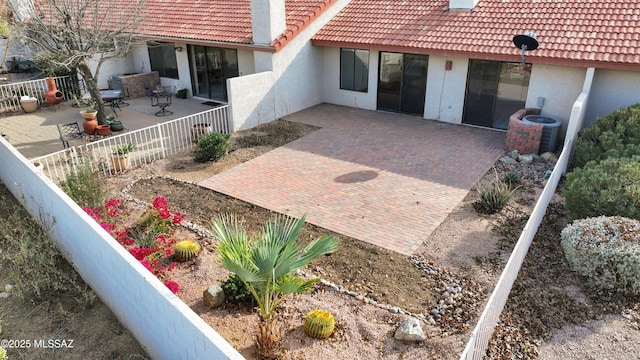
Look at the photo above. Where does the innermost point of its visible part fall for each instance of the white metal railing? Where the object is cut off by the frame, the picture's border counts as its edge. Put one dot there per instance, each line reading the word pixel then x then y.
pixel 10 93
pixel 151 143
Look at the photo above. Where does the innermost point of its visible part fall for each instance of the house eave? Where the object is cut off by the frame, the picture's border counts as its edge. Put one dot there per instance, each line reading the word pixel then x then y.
pixel 530 58
pixel 220 44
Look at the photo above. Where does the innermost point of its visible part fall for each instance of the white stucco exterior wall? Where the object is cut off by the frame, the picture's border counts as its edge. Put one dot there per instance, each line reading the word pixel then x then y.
pixel 331 92
pixel 446 89
pixel 298 68
pixel 612 90
pixel 252 100
pixel 560 86
pixel 116 66
pixel 246 63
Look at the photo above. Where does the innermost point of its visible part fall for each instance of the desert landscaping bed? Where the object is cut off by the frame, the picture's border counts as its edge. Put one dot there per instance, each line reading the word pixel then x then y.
pixel 371 290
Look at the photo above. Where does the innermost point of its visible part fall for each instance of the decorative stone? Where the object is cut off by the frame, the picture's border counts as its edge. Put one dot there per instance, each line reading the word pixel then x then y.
pixel 525 159
pixel 395 309
pixel 549 156
pixel 513 154
pixel 508 160
pixel 410 330
pixel 4 295
pixel 8 287
pixel 213 296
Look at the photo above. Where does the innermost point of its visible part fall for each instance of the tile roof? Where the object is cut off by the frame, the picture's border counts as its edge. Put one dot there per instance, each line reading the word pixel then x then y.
pixel 581 32
pixel 224 21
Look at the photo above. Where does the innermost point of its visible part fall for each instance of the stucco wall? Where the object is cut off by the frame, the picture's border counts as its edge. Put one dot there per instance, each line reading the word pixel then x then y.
pixel 298 68
pixel 446 89
pixel 612 90
pixel 246 64
pixel 164 325
pixel 560 86
pixel 252 100
pixel 331 92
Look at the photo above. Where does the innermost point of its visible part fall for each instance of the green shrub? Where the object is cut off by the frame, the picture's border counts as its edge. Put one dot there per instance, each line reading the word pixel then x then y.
pixel 493 197
pixel 85 186
pixel 212 146
pixel 605 250
pixel 511 178
pixel 611 188
pixel 34 264
pixel 616 134
pixel 236 291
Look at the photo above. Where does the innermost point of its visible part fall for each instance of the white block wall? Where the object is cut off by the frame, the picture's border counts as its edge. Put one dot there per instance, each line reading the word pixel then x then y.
pixel 252 100
pixel 165 326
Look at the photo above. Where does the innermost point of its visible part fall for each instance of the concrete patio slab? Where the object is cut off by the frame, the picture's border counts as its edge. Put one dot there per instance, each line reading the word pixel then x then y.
pixel 35 134
pixel 387 179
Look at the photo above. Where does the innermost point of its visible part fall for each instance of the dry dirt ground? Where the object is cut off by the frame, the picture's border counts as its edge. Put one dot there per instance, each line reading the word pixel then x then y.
pixel 549 315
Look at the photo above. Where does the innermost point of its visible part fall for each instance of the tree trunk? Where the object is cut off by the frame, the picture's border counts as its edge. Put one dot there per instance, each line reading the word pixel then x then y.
pixel 92 87
pixel 268 340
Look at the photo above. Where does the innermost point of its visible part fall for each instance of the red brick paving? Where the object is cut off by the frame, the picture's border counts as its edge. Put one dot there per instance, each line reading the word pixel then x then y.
pixel 387 179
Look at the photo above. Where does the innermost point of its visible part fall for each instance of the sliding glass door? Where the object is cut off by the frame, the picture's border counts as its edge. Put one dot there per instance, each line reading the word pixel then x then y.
pixel 210 69
pixel 495 90
pixel 402 82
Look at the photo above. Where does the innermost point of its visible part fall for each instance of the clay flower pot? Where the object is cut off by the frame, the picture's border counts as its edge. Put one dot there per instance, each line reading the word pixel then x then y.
pixel 89 115
pixel 103 130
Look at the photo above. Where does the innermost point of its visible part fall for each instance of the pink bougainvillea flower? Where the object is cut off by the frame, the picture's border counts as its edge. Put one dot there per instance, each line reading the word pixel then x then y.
pixel 164 213
pixel 177 218
pixel 160 203
pixel 172 285
pixel 172 266
pixel 146 264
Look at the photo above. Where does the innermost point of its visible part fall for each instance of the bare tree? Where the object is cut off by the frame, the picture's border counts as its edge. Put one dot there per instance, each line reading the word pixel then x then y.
pixel 78 32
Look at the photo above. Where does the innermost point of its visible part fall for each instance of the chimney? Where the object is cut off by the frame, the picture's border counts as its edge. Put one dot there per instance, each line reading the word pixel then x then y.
pixel 268 20
pixel 462 4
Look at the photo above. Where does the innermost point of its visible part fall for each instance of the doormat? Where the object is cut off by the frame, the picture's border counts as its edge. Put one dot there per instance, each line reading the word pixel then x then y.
pixel 213 103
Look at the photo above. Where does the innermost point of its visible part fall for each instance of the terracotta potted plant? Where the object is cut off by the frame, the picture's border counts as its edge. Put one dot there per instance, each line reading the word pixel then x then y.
pixel 120 156
pixel 89 114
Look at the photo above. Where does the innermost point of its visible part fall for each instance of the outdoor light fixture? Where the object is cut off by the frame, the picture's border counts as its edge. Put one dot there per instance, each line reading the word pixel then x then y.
pixel 179 48
pixel 526 42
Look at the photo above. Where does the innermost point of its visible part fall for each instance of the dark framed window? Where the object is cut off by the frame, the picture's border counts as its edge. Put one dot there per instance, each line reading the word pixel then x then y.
pixel 163 59
pixel 354 70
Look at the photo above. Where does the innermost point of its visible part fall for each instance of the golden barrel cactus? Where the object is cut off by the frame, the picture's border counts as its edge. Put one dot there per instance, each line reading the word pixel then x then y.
pixel 319 324
pixel 186 250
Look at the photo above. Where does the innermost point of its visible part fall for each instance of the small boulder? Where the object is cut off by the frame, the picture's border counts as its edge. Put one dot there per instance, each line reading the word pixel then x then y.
pixel 526 159
pixel 549 156
pixel 513 154
pixel 410 330
pixel 213 296
pixel 508 160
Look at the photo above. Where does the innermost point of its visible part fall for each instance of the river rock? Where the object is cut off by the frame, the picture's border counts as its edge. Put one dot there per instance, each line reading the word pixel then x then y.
pixel 213 296
pixel 549 156
pixel 410 330
pixel 526 159
pixel 508 160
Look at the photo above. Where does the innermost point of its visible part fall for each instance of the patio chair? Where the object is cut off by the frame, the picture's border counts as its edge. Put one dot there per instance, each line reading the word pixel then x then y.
pixel 68 132
pixel 162 99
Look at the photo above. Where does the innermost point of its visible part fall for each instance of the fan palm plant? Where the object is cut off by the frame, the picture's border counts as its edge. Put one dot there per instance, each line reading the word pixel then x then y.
pixel 267 264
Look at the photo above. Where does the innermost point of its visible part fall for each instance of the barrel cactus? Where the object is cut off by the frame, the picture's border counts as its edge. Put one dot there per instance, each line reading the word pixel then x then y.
pixel 319 324
pixel 186 250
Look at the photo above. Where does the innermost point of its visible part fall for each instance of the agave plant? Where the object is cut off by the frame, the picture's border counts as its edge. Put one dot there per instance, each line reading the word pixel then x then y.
pixel 267 264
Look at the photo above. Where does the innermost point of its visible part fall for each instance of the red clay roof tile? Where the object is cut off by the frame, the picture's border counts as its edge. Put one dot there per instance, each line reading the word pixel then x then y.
pixel 221 21
pixel 582 30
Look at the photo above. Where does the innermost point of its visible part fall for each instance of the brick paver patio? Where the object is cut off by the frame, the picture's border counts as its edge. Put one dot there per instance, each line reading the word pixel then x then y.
pixel 387 179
